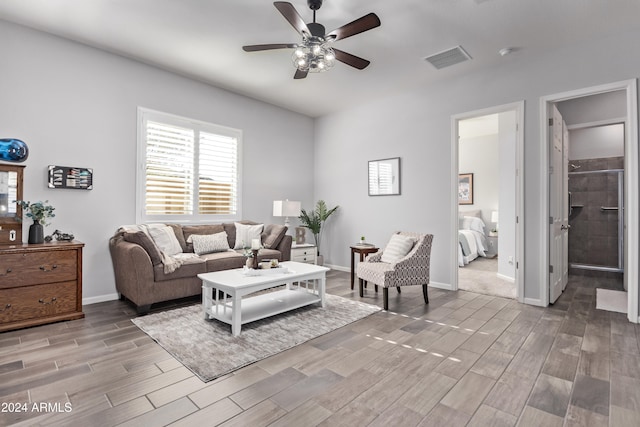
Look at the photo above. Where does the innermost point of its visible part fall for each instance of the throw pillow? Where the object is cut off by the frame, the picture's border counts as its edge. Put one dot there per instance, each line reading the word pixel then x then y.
pixel 209 243
pixel 143 239
pixel 273 235
pixel 201 229
pixel 245 233
pixel 397 248
pixel 165 239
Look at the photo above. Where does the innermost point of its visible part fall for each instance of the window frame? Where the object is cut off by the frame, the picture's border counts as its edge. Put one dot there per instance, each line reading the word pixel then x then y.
pixel 145 114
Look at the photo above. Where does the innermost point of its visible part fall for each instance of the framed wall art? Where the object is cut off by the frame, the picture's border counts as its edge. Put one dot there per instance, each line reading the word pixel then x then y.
pixel 70 177
pixel 465 189
pixel 384 177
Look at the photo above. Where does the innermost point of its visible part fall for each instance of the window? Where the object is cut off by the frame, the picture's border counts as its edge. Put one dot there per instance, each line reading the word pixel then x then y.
pixel 189 171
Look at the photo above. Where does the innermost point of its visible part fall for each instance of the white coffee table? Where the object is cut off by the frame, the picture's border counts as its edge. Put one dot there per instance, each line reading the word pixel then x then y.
pixel 305 285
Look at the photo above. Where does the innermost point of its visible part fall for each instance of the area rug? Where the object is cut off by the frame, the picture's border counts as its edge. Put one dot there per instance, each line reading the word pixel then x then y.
pixel 610 300
pixel 209 350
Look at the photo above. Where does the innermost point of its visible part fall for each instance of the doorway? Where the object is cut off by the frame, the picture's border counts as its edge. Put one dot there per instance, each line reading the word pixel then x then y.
pixel 487 200
pixel 615 210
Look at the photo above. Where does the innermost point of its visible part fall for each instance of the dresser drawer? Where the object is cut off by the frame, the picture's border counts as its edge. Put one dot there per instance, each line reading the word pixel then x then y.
pixel 307 255
pixel 30 268
pixel 37 301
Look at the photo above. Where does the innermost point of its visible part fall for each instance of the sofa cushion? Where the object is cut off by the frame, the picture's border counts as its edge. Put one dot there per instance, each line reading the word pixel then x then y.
pixel 209 243
pixel 203 229
pixel 165 239
pixel 143 239
pixel 190 268
pixel 224 260
pixel 272 235
pixel 245 233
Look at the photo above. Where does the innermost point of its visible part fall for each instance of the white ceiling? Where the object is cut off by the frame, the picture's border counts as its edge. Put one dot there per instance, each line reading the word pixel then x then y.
pixel 202 39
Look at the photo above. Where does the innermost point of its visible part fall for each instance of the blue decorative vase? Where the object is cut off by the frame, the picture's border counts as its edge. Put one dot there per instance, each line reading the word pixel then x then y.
pixel 13 150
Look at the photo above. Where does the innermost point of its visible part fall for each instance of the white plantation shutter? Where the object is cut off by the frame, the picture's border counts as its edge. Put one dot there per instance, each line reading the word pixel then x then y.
pixel 189 170
pixel 169 170
pixel 218 174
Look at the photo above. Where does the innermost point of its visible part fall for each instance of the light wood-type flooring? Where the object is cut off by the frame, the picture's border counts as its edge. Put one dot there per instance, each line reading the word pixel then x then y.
pixel 466 359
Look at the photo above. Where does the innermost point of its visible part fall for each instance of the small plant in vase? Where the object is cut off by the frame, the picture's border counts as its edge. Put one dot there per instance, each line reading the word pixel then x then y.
pixel 39 212
pixel 252 253
pixel 363 240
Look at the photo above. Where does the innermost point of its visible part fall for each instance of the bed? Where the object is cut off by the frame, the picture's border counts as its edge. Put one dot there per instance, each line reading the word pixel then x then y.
pixel 472 242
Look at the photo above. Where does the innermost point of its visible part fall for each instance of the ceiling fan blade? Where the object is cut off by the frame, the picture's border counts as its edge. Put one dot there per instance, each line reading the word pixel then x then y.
pixel 358 26
pixel 290 14
pixel 349 59
pixel 258 47
pixel 300 74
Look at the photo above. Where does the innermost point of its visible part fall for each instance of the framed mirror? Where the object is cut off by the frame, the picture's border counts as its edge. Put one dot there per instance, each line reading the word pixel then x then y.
pixel 384 177
pixel 10 212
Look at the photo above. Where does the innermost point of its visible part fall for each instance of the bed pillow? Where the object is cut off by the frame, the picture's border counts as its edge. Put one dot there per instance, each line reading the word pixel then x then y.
pixel 397 248
pixel 209 243
pixel 245 233
pixel 165 239
pixel 472 223
pixel 477 213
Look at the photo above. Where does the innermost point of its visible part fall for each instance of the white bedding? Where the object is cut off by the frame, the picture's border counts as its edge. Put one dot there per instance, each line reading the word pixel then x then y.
pixel 477 243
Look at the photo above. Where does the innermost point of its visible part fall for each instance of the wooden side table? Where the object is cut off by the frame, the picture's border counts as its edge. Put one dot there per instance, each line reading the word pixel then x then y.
pixel 363 250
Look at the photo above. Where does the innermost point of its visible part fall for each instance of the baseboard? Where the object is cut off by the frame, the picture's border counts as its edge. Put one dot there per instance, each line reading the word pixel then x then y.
pixel 101 298
pixel 507 278
pixel 338 267
pixel 534 301
pixel 445 286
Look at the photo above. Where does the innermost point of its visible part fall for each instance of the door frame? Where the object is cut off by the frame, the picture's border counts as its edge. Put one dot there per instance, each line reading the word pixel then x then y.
pixel 518 108
pixel 631 167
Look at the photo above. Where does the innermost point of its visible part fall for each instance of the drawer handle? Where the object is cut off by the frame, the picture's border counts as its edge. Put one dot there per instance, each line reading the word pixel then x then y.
pixel 7 307
pixel 8 271
pixel 53 267
pixel 42 301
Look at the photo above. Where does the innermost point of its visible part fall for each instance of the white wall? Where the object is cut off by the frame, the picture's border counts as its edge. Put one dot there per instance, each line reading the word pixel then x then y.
pixel 596 142
pixel 479 155
pixel 76 106
pixel 416 126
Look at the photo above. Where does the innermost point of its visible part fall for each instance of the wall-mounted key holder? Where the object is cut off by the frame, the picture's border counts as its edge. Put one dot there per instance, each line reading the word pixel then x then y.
pixel 70 177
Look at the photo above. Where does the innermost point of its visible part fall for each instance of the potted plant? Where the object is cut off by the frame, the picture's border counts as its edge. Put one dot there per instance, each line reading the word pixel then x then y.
pixel 39 212
pixel 314 220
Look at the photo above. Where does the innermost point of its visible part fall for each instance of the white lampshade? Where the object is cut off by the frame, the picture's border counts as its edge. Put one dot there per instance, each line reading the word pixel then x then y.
pixel 494 216
pixel 286 208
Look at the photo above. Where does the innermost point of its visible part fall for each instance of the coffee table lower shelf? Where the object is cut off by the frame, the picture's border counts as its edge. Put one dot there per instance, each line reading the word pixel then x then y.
pixel 264 305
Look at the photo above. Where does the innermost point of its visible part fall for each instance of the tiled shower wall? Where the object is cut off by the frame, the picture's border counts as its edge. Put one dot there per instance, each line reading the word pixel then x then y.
pixel 593 237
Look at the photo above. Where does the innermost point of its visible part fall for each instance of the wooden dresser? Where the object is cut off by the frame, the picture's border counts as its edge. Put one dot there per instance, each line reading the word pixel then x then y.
pixel 40 284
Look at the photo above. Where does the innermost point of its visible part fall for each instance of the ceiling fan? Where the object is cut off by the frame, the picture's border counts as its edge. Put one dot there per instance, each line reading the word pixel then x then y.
pixel 315 53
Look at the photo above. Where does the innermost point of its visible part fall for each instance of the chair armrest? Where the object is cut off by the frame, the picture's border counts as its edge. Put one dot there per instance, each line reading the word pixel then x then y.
pixel 375 257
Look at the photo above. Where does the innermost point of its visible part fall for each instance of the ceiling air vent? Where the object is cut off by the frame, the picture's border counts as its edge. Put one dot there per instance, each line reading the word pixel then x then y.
pixel 448 57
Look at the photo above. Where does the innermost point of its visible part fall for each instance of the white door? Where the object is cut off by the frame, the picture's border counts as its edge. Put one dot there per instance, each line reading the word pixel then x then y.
pixel 558 206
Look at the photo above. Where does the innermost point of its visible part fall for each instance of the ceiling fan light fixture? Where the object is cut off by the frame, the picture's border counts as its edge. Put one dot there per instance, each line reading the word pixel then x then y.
pixel 313 55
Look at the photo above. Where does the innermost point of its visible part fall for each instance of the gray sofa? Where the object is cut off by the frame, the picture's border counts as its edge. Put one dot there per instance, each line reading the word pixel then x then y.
pixel 141 276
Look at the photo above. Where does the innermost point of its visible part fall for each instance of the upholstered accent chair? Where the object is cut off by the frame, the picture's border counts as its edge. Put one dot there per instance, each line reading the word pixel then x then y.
pixel 411 269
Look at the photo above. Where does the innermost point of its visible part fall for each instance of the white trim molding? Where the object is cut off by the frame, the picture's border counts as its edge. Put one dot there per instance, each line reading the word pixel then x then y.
pixel 100 298
pixel 518 108
pixel 632 187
